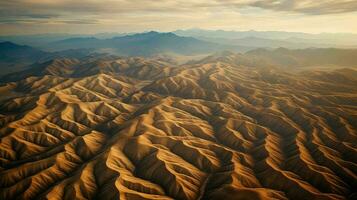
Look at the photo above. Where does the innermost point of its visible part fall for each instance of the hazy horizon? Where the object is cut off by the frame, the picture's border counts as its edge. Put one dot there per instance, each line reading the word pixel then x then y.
pixel 169 31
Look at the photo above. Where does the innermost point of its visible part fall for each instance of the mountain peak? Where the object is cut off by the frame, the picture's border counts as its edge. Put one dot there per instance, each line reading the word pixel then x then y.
pixel 78 39
pixel 152 32
pixel 7 45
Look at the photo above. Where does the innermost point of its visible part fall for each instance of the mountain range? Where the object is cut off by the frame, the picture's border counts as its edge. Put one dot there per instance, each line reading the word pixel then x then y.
pixel 228 126
pixel 249 39
pixel 274 39
pixel 19 58
pixel 146 44
pixel 14 57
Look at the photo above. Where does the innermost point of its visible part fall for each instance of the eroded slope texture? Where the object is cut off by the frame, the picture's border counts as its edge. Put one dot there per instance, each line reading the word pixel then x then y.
pixel 136 129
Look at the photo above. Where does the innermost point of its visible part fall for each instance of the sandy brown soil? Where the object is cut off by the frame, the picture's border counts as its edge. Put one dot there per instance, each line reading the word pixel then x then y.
pixel 139 129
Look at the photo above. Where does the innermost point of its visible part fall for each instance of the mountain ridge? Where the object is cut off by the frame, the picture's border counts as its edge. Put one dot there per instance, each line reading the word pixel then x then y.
pixel 291 60
pixel 139 128
pixel 145 44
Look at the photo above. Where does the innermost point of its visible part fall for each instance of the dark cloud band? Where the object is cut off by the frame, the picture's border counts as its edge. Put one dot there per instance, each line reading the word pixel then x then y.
pixel 85 11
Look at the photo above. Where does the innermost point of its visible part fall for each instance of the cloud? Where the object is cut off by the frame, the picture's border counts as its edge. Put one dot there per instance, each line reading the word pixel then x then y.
pixel 313 7
pixel 46 8
pixel 136 15
pixel 78 21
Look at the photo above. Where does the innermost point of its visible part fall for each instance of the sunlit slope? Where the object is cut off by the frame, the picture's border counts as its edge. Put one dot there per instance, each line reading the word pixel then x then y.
pixel 141 129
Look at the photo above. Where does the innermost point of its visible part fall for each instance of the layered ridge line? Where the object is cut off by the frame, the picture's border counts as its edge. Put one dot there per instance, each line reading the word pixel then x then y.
pixel 137 128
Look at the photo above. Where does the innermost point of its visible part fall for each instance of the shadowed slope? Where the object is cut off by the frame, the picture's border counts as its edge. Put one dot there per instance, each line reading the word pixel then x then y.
pixel 140 129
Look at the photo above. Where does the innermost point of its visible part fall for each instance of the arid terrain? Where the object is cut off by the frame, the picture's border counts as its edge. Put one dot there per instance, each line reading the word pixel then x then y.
pixel 140 128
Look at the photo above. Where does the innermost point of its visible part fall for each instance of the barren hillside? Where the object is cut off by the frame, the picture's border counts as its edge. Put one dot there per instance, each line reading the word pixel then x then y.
pixel 134 128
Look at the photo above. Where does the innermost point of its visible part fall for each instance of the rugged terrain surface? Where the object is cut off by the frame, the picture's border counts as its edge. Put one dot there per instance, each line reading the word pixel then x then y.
pixel 132 128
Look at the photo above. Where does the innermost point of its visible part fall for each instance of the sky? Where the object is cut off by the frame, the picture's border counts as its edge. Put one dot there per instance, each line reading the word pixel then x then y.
pixel 98 16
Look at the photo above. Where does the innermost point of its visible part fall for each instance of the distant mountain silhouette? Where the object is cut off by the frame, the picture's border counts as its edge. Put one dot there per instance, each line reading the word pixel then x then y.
pixel 146 44
pixel 10 51
pixel 273 39
pixel 14 57
pixel 251 38
pixel 77 42
pixel 257 42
